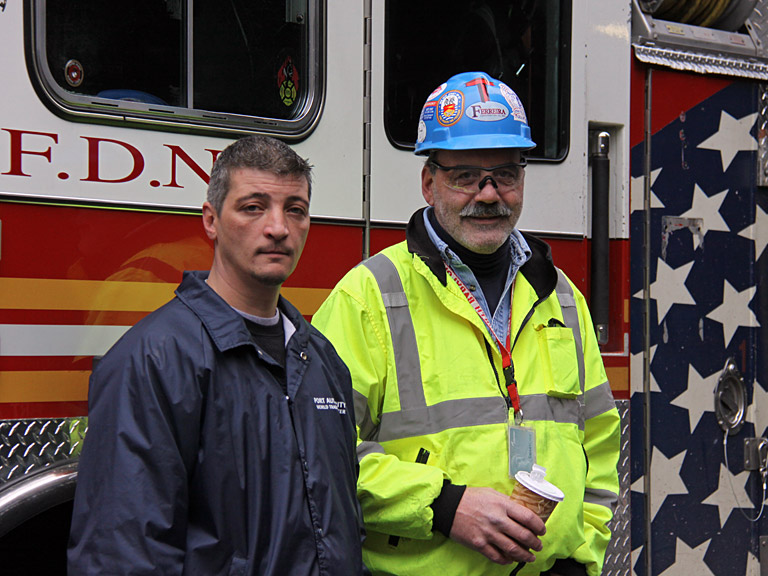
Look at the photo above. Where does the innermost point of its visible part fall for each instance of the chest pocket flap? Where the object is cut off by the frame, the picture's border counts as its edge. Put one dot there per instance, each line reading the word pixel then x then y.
pixel 559 368
pixel 561 348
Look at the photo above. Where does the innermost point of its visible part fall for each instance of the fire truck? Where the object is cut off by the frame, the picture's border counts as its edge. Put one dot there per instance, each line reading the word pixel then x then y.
pixel 648 180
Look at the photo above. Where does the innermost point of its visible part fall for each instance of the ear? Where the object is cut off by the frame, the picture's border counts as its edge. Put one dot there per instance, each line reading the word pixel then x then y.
pixel 209 221
pixel 427 185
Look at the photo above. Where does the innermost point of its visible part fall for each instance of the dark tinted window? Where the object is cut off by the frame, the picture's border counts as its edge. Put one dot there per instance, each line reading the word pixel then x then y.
pixel 206 61
pixel 526 44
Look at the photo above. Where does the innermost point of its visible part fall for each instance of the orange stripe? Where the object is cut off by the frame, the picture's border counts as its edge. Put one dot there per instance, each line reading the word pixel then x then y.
pixel 53 294
pixel 307 300
pixel 49 294
pixel 618 376
pixel 45 386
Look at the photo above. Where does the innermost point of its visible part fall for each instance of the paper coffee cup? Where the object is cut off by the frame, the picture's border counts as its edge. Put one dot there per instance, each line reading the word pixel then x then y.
pixel 536 493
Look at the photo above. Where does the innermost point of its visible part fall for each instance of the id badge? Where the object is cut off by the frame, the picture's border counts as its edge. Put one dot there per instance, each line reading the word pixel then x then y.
pixel 522 449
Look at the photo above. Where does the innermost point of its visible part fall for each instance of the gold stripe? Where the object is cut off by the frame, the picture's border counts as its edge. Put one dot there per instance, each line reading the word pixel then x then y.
pixel 49 294
pixel 626 310
pixel 618 377
pixel 307 300
pixel 44 386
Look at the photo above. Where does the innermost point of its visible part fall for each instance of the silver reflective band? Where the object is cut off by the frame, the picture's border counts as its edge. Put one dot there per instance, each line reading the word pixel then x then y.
pixel 365 448
pixel 407 365
pixel 462 413
pixel 363 416
pixel 540 407
pixel 571 319
pixel 602 498
pixel 599 400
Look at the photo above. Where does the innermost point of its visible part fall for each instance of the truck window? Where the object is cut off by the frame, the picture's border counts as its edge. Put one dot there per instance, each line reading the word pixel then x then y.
pixel 524 44
pixel 237 64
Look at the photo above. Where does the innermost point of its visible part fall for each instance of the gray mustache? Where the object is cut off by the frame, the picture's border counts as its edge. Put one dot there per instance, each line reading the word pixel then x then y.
pixel 485 210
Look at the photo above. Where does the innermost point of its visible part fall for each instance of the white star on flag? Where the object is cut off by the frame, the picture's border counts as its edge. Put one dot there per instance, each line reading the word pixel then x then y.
pixel 758 231
pixel 669 287
pixel 689 560
pixel 756 410
pixel 734 311
pixel 665 479
pixel 732 137
pixel 708 209
pixel 730 494
pixel 697 398
pixel 636 367
pixel 753 565
pixel 637 192
pixel 634 556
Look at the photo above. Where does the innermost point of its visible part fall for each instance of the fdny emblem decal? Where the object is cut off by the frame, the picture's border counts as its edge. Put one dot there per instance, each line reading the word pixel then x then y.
pixel 287 82
pixel 514 102
pixel 487 111
pixel 450 107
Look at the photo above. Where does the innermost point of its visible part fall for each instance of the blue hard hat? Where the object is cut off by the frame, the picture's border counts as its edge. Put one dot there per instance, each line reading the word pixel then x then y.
pixel 473 111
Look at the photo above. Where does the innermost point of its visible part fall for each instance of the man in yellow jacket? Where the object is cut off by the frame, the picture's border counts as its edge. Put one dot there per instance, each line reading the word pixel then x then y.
pixel 472 358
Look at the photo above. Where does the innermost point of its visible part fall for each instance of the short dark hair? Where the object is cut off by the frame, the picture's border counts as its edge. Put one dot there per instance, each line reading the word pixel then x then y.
pixel 259 152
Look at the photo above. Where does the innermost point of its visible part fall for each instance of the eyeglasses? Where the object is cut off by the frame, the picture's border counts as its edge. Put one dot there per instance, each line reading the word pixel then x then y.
pixel 469 179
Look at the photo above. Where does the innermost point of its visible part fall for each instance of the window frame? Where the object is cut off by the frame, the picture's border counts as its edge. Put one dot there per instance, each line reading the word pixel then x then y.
pixel 94 109
pixel 563 105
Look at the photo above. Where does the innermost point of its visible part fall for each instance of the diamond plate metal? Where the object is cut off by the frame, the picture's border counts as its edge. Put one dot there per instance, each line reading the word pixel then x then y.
pixel 757 27
pixel 27 445
pixel 709 50
pixel 762 137
pixel 618 559
pixel 680 59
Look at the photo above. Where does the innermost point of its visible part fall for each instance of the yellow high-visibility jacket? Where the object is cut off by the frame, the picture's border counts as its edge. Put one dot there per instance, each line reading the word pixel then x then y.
pixel 428 375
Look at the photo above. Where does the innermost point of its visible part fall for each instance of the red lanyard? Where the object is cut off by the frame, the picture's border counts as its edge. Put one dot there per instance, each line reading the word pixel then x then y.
pixel 506 354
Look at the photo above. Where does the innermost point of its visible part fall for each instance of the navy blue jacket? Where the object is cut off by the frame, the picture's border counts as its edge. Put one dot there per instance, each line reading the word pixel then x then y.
pixel 197 463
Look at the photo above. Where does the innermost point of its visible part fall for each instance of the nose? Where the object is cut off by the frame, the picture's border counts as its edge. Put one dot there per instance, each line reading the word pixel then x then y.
pixel 488 190
pixel 276 225
pixel 485 181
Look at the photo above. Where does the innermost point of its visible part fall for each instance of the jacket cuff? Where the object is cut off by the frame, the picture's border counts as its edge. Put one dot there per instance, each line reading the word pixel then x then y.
pixel 444 507
pixel 568 567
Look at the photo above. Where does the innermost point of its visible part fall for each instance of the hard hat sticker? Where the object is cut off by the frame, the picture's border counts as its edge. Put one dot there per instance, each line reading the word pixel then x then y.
pixel 450 107
pixel 428 112
pixel 518 112
pixel 482 87
pixel 436 92
pixel 487 111
pixel 422 134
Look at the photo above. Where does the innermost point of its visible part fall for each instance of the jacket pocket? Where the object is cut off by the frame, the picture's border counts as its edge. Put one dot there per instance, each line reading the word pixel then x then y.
pixel 559 369
pixel 238 566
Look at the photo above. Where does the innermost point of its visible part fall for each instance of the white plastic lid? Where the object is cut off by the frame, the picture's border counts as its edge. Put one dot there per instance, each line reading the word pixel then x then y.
pixel 535 482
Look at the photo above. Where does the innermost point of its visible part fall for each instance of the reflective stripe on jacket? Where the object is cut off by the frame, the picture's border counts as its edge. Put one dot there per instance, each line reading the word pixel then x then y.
pixel 440 388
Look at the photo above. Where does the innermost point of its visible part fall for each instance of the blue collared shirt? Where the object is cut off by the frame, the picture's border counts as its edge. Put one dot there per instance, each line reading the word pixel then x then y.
pixel 520 253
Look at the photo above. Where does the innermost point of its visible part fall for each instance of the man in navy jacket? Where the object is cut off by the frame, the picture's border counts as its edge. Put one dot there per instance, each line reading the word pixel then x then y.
pixel 221 428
